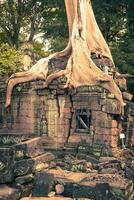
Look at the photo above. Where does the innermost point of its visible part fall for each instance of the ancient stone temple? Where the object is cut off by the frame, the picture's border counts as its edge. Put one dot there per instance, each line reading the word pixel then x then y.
pixel 62 122
pixel 87 114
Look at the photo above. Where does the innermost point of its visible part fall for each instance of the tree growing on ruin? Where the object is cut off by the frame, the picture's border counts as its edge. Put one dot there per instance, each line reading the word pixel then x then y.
pixel 85 39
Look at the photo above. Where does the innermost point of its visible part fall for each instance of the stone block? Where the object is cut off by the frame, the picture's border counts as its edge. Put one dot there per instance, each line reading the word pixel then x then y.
pixel 6 164
pixel 29 148
pixel 52 104
pixel 72 130
pixel 51 130
pixel 99 117
pixel 25 189
pixel 107 186
pixel 82 89
pixel 89 191
pixel 61 91
pixel 114 142
pixel 95 106
pixel 67 115
pixel 121 82
pixel 68 104
pixel 61 140
pixel 43 183
pixel 28 166
pixel 93 88
pixel 77 138
pixel 81 98
pixel 9 193
pixel 108 159
pixel 65 110
pixel 127 96
pixel 91 186
pixel 109 124
pixel 24 179
pixel 78 105
pixel 106 139
pixel 107 130
pixel 111 106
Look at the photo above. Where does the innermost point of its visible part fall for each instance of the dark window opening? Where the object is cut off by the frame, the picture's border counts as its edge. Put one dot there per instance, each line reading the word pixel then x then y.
pixel 83 120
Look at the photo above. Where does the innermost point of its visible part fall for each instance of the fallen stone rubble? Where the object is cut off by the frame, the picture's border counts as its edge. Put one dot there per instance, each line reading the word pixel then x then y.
pixel 27 172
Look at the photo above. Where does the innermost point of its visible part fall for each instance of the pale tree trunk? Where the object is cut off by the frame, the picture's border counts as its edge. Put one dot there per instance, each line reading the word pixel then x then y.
pixel 85 38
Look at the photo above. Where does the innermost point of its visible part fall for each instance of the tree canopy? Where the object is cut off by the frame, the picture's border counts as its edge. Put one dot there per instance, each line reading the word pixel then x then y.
pixel 22 20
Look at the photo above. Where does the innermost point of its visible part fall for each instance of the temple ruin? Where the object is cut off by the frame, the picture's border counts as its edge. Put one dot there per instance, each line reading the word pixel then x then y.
pixel 85 113
pixel 66 123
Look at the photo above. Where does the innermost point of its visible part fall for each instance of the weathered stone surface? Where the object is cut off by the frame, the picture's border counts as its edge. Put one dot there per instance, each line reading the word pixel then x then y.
pixel 106 131
pixel 121 82
pixel 24 179
pixel 6 164
pixel 59 107
pixel 9 138
pixel 109 124
pixel 26 166
pixel 127 96
pixel 82 89
pixel 77 138
pixel 25 189
pixel 107 187
pixel 9 193
pixel 42 92
pixel 108 159
pixel 43 182
pixel 100 191
pixel 108 171
pixel 29 148
pixel 111 106
pixel 106 139
pixel 80 98
pixel 94 186
pixel 98 118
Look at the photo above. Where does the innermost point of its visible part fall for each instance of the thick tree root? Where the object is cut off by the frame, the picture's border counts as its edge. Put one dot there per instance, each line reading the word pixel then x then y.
pixel 84 37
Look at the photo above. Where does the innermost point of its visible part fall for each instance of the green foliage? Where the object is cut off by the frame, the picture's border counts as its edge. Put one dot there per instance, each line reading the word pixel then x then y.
pixel 55 20
pixel 20 20
pixel 123 54
pixel 116 20
pixel 58 43
pixel 9 59
pixel 38 49
pixel 111 17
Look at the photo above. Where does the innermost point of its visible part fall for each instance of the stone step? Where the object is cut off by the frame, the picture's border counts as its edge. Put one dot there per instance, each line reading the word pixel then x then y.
pixel 29 148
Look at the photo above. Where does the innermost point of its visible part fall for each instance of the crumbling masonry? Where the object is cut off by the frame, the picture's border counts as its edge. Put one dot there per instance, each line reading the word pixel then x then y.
pixel 88 113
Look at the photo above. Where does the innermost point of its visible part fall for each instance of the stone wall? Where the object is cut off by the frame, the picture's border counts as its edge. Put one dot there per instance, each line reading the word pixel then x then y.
pixel 52 112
